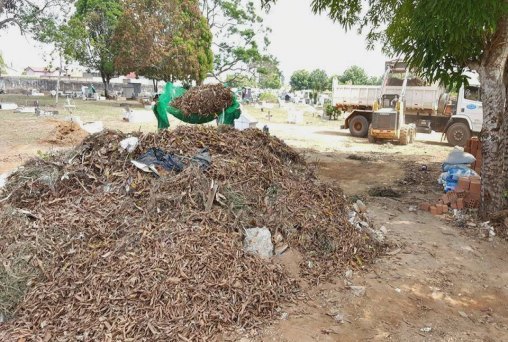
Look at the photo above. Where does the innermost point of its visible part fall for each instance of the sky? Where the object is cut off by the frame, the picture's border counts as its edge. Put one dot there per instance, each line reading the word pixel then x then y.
pixel 300 40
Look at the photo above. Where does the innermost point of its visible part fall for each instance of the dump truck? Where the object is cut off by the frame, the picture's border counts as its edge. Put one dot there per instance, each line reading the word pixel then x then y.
pixel 428 106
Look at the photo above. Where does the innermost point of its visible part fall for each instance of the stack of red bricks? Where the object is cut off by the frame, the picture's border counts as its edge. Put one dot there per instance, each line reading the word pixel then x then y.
pixel 474 146
pixel 465 195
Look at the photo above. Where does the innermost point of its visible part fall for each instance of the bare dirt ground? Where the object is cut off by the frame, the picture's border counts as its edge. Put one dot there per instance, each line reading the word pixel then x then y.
pixel 436 283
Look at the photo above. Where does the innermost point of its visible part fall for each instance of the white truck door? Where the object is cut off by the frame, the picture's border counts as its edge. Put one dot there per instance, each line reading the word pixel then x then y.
pixel 470 105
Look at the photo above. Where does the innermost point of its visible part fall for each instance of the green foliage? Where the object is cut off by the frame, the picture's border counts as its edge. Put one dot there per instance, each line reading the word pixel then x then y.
pixel 332 112
pixel 237 31
pixel 318 80
pixel 240 81
pixel 354 75
pixel 300 80
pixel 88 36
pixel 373 80
pixel 268 97
pixel 269 73
pixel 31 16
pixel 454 40
pixel 181 49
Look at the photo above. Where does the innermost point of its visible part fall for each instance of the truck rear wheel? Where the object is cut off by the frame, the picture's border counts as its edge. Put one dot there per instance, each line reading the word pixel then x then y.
pixel 404 137
pixel 458 134
pixel 359 126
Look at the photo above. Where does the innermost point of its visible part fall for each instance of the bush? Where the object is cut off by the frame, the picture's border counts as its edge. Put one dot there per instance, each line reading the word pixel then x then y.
pixel 333 112
pixel 268 97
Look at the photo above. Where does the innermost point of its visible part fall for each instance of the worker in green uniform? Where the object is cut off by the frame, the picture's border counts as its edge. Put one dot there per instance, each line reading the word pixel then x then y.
pixel 162 118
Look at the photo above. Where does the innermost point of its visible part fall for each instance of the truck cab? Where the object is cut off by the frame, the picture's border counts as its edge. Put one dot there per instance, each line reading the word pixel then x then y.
pixel 468 117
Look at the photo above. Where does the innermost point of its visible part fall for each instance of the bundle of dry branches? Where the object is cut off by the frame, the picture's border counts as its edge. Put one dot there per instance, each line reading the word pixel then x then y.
pixel 111 253
pixel 204 100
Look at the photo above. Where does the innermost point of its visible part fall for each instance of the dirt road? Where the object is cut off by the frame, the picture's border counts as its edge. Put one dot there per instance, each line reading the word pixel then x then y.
pixel 436 283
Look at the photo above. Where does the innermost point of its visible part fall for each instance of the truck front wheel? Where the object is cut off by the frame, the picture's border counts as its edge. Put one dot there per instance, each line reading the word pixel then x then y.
pixel 458 134
pixel 359 126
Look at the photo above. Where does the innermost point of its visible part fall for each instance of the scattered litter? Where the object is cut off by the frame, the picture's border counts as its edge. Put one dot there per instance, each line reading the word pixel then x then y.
pixel 358 291
pixel 491 232
pixel 284 316
pixel 258 241
pixel 463 314
pixel 129 144
pixel 349 274
pixel 426 329
pixel 3 179
pixel 339 318
pixel 398 290
pixel 362 208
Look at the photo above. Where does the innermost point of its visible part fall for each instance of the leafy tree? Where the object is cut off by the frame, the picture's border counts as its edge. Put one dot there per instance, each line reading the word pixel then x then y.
pixel 29 15
pixel 88 36
pixel 238 31
pixel 354 75
pixel 318 80
pixel 269 73
pixel 300 80
pixel 240 81
pixel 442 39
pixel 164 40
pixel 373 80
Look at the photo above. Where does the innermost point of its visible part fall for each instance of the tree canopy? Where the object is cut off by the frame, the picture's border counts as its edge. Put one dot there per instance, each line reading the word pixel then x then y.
pixel 269 72
pixel 318 80
pixel 28 15
pixel 239 36
pixel 300 80
pixel 88 36
pixel 164 40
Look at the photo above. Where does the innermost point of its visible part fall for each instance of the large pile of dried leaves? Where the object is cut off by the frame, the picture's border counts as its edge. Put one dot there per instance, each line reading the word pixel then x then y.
pixel 204 100
pixel 108 252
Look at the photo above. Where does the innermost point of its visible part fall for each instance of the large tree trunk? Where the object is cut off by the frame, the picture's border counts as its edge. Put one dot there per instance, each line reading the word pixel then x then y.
pixel 493 73
pixel 105 82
